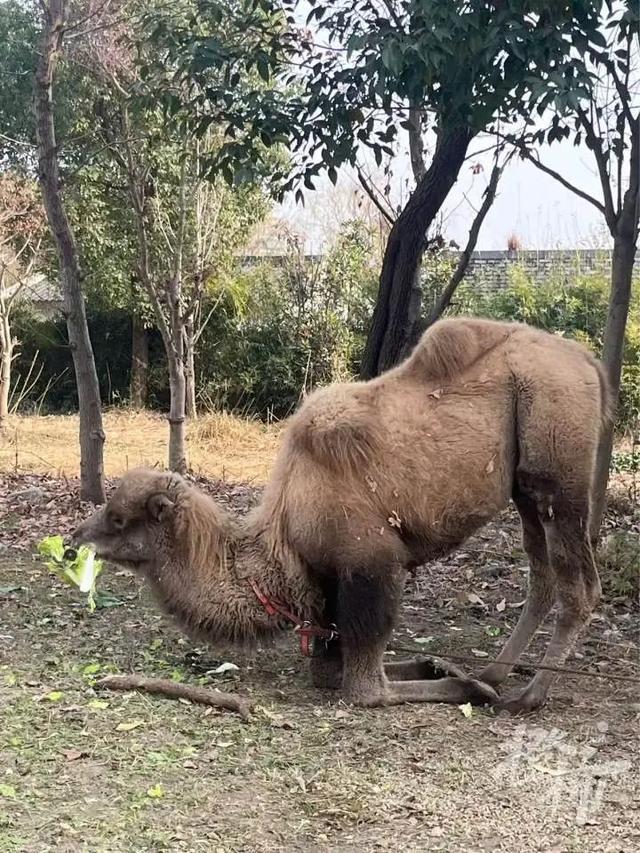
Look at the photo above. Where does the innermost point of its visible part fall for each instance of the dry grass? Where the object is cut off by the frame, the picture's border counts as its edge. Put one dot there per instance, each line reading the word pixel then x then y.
pixel 219 445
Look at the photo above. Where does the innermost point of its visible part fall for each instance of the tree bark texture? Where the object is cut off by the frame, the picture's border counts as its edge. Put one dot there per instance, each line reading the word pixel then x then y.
pixel 91 431
pixel 6 356
pixel 625 240
pixel 139 363
pixel 392 322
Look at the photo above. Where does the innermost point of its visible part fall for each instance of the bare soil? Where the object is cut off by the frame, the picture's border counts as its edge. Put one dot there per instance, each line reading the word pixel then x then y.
pixel 86 770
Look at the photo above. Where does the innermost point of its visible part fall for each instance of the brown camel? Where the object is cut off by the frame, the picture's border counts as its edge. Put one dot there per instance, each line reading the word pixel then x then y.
pixel 374 479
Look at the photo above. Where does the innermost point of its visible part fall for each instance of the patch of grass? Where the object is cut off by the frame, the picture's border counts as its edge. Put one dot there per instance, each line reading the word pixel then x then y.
pixel 219 445
pixel 619 560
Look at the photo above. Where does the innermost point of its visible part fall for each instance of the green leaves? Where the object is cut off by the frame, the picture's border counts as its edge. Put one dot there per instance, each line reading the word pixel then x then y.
pixel 78 569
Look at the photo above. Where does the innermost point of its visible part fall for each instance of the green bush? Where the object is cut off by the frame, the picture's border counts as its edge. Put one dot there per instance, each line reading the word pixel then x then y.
pixel 292 327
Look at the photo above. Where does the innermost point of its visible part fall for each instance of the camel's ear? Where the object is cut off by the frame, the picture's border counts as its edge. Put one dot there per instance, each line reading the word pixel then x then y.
pixel 159 506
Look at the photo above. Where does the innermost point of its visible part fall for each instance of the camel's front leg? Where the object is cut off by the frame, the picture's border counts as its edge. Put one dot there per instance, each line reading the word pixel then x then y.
pixel 366 611
pixel 326 667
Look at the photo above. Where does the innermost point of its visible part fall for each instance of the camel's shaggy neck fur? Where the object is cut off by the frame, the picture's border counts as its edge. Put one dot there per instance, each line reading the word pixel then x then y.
pixel 204 582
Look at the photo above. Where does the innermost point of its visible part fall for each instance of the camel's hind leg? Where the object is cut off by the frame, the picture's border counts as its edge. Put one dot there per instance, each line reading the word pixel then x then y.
pixel 540 597
pixel 578 591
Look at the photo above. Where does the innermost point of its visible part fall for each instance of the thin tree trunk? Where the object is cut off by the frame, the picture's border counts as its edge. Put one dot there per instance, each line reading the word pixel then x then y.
pixel 177 389
pixel 624 251
pixel 139 363
pixel 91 432
pixel 625 242
pixel 190 370
pixel 6 356
pixel 391 323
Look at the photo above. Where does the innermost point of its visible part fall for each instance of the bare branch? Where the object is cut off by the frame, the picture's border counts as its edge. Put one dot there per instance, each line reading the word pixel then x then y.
pixel 594 143
pixel 558 177
pixel 465 257
pixel 374 197
pixel 416 146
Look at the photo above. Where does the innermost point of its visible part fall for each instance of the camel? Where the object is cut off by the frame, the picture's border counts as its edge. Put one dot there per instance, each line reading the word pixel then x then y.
pixel 374 479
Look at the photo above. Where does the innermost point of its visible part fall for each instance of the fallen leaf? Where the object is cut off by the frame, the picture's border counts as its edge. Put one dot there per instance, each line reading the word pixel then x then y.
pixel 98 704
pixel 7 791
pixel 490 465
pixel 500 606
pixel 155 792
pixel 277 720
pixel 74 754
pixel 472 598
pixel 437 393
pixel 394 520
pixel 224 667
pixel 466 710
pixel 479 653
pixel 423 641
pixel 128 727
pixel 54 696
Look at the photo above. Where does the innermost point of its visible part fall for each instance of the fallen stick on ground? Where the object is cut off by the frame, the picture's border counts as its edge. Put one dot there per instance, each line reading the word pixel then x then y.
pixel 176 690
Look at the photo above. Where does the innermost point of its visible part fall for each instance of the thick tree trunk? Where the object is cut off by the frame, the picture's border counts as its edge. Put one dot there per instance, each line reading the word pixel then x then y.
pixel 392 322
pixel 91 431
pixel 624 251
pixel 139 363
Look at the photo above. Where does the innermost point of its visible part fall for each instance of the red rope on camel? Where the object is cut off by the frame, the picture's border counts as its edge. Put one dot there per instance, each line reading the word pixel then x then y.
pixel 303 628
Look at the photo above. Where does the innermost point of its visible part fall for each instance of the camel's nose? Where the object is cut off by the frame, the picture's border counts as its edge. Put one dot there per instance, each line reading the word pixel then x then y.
pixel 87 529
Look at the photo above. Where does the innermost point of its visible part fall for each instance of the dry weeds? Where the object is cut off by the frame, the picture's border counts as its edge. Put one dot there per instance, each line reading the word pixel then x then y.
pixel 219 445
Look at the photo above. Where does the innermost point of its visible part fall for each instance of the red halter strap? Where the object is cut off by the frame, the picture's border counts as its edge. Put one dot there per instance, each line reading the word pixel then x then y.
pixel 303 628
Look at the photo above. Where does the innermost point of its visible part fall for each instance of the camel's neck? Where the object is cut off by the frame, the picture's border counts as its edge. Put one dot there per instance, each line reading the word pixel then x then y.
pixel 222 602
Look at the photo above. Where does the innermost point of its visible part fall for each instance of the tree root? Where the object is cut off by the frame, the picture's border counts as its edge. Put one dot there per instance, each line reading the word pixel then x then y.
pixel 177 690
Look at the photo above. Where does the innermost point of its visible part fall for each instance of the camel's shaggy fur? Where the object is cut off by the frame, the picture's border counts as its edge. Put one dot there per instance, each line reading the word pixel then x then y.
pixel 375 478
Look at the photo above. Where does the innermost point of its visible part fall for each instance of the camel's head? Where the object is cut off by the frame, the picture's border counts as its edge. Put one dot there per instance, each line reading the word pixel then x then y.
pixel 136 526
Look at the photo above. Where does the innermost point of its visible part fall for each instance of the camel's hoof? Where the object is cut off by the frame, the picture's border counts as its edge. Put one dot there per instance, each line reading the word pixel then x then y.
pixel 522 703
pixel 481 693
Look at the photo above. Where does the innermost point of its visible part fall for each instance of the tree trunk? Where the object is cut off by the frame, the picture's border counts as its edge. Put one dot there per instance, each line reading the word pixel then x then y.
pixel 139 363
pixel 177 388
pixel 624 251
pixel 91 432
pixel 190 371
pixel 391 323
pixel 6 355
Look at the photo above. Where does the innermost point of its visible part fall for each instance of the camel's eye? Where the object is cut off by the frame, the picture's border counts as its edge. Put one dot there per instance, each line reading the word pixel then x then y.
pixel 117 522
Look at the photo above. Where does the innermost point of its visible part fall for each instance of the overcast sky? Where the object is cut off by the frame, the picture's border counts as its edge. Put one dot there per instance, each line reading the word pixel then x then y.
pixel 530 204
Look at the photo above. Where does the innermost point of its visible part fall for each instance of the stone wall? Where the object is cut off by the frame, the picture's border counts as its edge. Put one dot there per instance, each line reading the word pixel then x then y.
pixel 490 270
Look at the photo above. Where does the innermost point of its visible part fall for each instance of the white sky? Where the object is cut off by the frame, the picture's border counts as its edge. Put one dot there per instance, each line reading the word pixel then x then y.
pixel 532 205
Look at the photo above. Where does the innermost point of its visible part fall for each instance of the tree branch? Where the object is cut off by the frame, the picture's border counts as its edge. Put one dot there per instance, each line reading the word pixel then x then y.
pixel 176 690
pixel 374 198
pixel 465 257
pixel 558 177
pixel 416 147
pixel 594 143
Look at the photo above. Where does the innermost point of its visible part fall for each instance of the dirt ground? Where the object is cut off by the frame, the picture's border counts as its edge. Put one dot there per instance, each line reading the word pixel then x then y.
pixel 85 770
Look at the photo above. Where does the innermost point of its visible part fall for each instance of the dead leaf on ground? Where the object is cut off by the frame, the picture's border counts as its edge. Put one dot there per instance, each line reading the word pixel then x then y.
pixel 74 754
pixel 479 653
pixel 128 727
pixel 500 606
